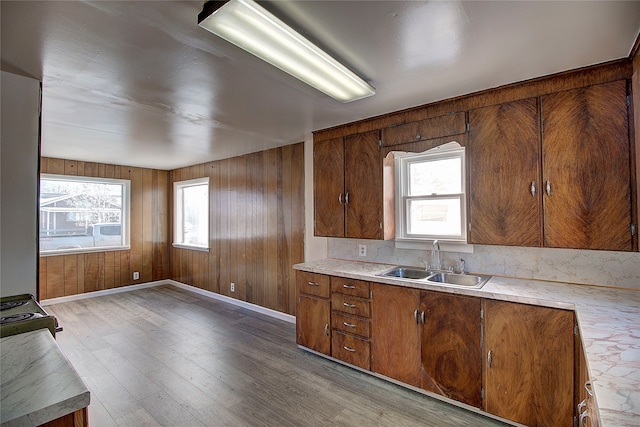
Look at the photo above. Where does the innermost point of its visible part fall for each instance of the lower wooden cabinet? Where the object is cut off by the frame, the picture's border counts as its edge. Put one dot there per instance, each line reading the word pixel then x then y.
pixel 512 360
pixel 396 333
pixel 529 363
pixel 451 346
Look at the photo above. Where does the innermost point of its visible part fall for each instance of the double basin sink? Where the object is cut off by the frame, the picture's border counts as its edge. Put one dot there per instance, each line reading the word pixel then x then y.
pixel 437 277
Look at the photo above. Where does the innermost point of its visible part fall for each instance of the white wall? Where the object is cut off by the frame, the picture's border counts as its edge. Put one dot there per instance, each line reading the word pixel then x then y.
pixel 19 151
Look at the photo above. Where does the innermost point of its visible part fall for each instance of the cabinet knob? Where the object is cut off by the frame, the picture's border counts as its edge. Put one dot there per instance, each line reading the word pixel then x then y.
pixel 340 198
pixel 533 188
pixel 489 358
pixel 418 137
pixel 548 188
pixel 415 316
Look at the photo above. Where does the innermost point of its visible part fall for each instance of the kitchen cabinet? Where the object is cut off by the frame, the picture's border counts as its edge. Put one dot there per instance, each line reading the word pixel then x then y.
pixel 313 312
pixel 395 330
pixel 504 178
pixel 553 171
pixel 350 321
pixel 586 168
pixel 451 357
pixel 431 128
pixel 429 340
pixel 528 357
pixel 348 187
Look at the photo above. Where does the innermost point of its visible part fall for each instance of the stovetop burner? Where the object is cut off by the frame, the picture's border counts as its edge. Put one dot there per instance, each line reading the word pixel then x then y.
pixel 12 304
pixel 19 317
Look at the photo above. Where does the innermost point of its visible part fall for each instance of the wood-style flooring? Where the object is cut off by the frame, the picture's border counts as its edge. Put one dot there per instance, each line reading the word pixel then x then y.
pixel 164 356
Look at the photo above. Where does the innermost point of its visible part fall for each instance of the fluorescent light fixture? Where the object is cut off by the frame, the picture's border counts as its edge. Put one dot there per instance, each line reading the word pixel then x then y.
pixel 252 28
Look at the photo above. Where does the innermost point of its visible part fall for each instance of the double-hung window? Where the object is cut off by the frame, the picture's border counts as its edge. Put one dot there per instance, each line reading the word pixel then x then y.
pixel 191 214
pixel 430 195
pixel 83 214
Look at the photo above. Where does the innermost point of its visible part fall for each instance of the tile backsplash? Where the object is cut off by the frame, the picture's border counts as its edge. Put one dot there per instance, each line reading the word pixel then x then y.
pixel 602 268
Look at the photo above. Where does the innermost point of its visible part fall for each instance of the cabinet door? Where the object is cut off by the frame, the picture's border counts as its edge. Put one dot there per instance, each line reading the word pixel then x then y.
pixel 313 324
pixel 504 163
pixel 529 363
pixel 395 333
pixel 363 185
pixel 451 353
pixel 586 163
pixel 328 187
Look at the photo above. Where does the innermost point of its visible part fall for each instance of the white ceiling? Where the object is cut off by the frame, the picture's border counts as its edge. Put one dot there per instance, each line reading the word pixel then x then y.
pixel 140 84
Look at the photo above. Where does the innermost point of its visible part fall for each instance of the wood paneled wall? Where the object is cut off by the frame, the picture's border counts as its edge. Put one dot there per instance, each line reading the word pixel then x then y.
pixel 64 275
pixel 256 228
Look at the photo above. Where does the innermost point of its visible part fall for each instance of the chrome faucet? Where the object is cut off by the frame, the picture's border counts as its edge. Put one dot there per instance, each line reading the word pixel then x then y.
pixel 435 252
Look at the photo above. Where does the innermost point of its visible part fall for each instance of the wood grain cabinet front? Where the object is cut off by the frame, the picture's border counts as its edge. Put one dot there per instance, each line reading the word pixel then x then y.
pixel 434 127
pixel 348 187
pixel 350 323
pixel 529 365
pixel 553 171
pixel 313 312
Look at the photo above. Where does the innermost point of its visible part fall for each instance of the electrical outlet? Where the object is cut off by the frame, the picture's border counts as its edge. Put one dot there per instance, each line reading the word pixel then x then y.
pixel 233 287
pixel 362 250
pixel 136 275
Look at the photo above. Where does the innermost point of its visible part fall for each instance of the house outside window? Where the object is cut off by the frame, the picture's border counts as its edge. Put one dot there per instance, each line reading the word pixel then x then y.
pixel 430 195
pixel 191 214
pixel 83 214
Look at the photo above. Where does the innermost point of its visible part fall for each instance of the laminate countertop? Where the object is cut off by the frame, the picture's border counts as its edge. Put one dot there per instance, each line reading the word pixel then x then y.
pixel 608 319
pixel 37 382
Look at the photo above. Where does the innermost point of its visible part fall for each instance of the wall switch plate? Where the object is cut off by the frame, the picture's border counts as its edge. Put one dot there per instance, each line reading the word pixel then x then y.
pixel 136 275
pixel 233 287
pixel 362 250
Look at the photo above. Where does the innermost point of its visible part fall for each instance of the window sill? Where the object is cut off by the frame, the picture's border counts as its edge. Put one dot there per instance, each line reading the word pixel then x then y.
pixel 445 246
pixel 192 247
pixel 84 250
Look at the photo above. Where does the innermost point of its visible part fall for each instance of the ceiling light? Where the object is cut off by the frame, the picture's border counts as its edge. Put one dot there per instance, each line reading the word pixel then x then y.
pixel 252 28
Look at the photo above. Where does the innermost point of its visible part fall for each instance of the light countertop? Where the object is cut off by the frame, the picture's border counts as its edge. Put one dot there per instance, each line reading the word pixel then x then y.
pixel 38 384
pixel 609 322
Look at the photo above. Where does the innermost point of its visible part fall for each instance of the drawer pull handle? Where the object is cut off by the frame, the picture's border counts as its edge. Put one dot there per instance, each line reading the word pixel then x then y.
pixel 348 286
pixel 589 388
pixel 326 329
pixel 489 358
pixel 313 284
pixel 415 316
pixel 352 350
pixel 349 325
pixel 346 304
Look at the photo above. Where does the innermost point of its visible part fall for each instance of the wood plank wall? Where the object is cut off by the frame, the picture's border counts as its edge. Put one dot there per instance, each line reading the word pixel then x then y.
pixel 64 275
pixel 256 228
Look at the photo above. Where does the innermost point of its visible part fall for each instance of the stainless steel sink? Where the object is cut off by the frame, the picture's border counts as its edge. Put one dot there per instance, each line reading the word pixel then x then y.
pixel 407 273
pixel 440 278
pixel 467 280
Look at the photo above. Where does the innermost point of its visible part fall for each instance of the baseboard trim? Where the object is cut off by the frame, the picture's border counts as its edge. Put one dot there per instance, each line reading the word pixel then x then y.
pixel 249 306
pixel 253 307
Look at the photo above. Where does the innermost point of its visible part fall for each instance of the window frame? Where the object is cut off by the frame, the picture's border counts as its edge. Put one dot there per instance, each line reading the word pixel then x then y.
pixel 403 160
pixel 178 225
pixel 125 214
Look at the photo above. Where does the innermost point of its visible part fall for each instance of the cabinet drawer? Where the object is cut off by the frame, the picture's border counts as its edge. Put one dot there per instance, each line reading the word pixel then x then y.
pixel 350 324
pixel 313 284
pixel 351 305
pixel 356 288
pixel 352 350
pixel 435 127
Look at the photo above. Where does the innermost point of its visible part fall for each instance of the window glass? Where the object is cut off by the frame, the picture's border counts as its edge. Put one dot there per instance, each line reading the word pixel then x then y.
pixel 431 201
pixel 191 227
pixel 82 214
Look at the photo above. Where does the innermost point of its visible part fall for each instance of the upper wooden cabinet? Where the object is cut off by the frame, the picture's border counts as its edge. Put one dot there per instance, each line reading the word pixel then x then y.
pixel 586 168
pixel 348 187
pixel 435 127
pixel 582 200
pixel 504 174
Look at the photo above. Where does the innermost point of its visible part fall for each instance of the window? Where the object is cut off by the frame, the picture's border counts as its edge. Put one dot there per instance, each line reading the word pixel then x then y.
pixel 82 214
pixel 191 214
pixel 430 190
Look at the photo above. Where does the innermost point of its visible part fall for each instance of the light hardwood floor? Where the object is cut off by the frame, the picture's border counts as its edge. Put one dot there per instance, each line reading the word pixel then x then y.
pixel 164 356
